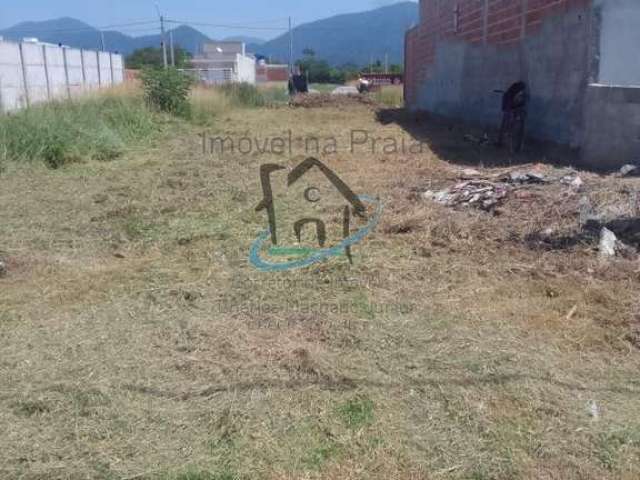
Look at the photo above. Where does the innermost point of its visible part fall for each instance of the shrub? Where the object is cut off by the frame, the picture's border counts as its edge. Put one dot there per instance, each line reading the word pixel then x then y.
pixel 167 90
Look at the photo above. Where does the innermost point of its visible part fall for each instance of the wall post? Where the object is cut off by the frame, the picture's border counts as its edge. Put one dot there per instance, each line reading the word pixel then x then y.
pixel 46 70
pixel 99 70
pixel 84 75
pixel 111 65
pixel 66 71
pixel 24 76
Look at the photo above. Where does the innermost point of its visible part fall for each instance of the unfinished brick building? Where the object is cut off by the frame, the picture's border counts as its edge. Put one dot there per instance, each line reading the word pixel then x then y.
pixel 580 58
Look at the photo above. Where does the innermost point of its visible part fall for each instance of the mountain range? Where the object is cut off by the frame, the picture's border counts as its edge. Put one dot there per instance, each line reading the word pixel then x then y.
pixel 352 38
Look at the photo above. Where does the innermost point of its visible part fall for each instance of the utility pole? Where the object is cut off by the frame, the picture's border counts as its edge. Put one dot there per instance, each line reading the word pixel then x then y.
pixel 102 44
pixel 290 48
pixel 173 53
pixel 162 37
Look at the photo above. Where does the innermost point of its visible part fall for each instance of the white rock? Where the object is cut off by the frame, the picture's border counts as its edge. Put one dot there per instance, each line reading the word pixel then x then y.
pixel 577 184
pixel 608 242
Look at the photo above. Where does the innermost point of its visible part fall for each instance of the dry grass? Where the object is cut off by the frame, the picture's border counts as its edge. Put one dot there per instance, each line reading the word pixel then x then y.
pixel 132 345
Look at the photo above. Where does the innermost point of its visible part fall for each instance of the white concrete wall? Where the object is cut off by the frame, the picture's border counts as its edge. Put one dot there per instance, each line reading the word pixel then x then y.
pixel 12 92
pixel 55 69
pixel 36 76
pixel 31 73
pixel 246 69
pixel 619 42
pixel 118 69
pixel 75 71
pixel 104 60
pixel 91 73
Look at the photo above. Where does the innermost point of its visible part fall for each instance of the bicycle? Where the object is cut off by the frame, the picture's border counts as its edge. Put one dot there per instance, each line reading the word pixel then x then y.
pixel 515 101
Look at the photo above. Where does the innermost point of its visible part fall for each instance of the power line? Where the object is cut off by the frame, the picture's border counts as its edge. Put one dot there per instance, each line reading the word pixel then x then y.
pixel 216 25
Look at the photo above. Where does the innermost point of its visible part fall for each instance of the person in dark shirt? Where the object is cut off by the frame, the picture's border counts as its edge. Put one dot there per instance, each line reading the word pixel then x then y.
pixel 514 98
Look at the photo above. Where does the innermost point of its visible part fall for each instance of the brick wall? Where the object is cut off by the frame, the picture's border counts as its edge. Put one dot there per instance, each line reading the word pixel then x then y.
pixel 502 23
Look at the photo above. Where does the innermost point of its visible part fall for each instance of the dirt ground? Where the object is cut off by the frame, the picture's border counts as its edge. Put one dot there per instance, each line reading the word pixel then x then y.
pixel 137 341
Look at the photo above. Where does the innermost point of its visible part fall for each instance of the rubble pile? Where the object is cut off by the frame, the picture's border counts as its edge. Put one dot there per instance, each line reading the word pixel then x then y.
pixel 479 193
pixel 487 192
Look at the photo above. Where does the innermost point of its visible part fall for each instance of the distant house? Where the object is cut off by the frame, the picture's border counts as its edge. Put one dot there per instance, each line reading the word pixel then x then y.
pixel 579 58
pixel 223 62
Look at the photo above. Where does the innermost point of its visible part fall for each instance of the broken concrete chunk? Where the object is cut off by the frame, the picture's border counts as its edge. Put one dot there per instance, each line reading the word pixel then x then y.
pixel 611 246
pixel 608 241
pixel 526 177
pixel 630 171
pixel 577 184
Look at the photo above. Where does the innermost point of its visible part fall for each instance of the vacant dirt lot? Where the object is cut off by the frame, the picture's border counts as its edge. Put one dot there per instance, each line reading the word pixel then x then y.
pixel 137 342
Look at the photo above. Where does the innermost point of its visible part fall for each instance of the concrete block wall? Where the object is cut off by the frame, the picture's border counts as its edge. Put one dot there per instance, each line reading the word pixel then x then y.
pixel 463 50
pixel 566 51
pixel 246 69
pixel 31 73
pixel 75 71
pixel 104 64
pixel 12 94
pixel 91 70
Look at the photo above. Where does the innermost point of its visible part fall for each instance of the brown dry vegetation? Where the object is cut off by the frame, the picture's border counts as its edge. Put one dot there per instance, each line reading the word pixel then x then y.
pixel 132 345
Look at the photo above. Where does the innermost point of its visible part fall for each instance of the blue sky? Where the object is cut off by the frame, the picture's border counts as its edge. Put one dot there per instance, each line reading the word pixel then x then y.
pixel 255 13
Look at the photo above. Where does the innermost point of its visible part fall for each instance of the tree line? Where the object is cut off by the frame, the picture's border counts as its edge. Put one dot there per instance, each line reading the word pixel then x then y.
pixel 316 69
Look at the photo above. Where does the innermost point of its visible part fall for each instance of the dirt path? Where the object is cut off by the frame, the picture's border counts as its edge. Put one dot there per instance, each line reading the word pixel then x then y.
pixel 136 340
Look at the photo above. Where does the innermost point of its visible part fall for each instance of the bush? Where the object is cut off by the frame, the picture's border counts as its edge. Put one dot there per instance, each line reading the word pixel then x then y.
pixel 59 133
pixel 167 90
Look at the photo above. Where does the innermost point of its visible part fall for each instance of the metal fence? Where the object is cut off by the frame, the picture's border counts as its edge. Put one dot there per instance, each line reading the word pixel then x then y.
pixel 31 73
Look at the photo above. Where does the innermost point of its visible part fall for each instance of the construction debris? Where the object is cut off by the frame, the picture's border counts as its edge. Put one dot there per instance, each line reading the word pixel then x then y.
pixel 522 178
pixel 489 191
pixel 608 242
pixel 610 246
pixel 574 181
pixel 629 171
pixel 478 193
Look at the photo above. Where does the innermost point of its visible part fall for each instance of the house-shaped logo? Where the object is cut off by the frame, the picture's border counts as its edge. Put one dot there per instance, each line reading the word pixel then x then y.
pixel 354 206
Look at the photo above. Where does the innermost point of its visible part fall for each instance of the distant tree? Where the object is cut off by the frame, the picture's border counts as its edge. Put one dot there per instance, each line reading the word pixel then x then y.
pixel 319 71
pixel 309 52
pixel 152 57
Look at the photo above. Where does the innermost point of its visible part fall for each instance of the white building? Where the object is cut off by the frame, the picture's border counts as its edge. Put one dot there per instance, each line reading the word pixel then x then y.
pixel 223 62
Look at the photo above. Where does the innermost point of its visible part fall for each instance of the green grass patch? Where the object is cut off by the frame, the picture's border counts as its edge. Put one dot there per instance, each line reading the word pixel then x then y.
pixel 356 413
pixel 97 128
pixel 318 456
